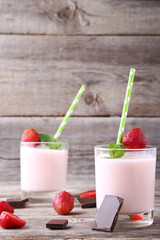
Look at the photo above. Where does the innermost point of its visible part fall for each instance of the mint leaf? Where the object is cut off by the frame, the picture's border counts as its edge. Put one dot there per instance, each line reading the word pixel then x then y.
pixel 116 153
pixel 47 138
pixel 56 146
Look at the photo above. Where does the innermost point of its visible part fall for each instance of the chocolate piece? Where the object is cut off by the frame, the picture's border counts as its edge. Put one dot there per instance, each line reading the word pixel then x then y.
pixel 17 202
pixel 57 224
pixel 87 202
pixel 107 214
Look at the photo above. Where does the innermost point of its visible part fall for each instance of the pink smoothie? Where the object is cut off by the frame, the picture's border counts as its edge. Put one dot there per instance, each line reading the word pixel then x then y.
pixel 131 177
pixel 43 169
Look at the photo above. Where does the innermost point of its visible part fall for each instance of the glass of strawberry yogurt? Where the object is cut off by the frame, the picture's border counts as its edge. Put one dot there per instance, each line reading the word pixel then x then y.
pixel 43 168
pixel 43 159
pixel 129 174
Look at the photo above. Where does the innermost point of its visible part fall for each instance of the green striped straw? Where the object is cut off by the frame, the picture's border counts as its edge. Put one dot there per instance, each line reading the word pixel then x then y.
pixel 126 105
pixel 69 112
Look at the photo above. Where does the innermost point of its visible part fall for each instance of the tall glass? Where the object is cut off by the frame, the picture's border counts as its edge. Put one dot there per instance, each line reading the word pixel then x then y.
pixel 43 168
pixel 131 177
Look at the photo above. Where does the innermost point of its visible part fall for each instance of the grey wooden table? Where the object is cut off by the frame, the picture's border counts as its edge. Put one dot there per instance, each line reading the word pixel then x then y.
pixel 80 220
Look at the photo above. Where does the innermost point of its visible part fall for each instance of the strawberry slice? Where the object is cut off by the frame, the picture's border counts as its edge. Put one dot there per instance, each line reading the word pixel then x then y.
pixel 134 139
pixel 4 206
pixel 136 217
pixel 9 220
pixel 91 193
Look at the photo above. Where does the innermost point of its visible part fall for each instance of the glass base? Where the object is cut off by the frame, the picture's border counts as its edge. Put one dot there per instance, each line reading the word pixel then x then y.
pixel 39 196
pixel 137 220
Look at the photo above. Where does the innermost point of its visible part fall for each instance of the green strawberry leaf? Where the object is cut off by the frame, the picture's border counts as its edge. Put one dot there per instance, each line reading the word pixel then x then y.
pixel 47 138
pixel 116 153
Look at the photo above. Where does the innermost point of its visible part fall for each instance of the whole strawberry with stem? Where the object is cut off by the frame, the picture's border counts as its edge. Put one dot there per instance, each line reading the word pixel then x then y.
pixel 134 139
pixel 63 203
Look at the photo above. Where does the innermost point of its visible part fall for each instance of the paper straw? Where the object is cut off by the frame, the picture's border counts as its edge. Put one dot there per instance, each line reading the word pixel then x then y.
pixel 69 112
pixel 126 105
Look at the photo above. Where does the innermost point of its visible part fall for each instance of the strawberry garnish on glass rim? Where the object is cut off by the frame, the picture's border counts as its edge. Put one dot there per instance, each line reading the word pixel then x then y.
pixel 134 139
pixel 30 135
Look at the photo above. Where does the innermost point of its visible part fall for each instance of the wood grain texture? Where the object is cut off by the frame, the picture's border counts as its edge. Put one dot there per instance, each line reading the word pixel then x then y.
pixel 80 220
pixel 43 73
pixel 82 133
pixel 79 17
pixel 48 48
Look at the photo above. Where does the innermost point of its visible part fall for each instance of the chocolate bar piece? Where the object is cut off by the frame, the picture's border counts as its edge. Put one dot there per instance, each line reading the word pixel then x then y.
pixel 17 202
pixel 107 214
pixel 57 224
pixel 87 202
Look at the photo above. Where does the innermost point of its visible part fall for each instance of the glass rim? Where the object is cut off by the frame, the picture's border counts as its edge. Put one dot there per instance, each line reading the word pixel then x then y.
pixel 63 141
pixel 105 147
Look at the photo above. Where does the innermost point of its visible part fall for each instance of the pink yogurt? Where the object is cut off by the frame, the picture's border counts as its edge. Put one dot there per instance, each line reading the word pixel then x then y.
pixel 131 177
pixel 43 169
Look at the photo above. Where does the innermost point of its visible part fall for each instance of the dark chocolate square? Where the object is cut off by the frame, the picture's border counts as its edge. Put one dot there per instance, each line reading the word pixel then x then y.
pixel 57 224
pixel 107 214
pixel 87 202
pixel 17 202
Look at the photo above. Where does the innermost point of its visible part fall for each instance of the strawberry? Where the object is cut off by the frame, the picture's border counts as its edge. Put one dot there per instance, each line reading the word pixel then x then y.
pixel 136 217
pixel 63 203
pixel 9 220
pixel 91 193
pixel 30 135
pixel 134 139
pixel 4 206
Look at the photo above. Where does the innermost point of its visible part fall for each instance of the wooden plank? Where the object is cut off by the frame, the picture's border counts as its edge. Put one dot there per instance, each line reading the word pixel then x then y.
pixel 80 17
pixel 80 220
pixel 82 133
pixel 108 50
pixel 48 70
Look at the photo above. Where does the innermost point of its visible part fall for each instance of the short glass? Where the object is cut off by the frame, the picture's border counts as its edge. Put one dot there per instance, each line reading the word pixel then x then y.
pixel 43 168
pixel 131 177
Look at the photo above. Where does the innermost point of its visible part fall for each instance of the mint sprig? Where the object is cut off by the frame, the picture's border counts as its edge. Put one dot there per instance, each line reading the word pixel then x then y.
pixel 47 138
pixel 116 153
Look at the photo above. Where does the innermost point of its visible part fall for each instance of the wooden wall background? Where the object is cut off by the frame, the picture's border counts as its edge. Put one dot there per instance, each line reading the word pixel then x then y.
pixel 48 48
